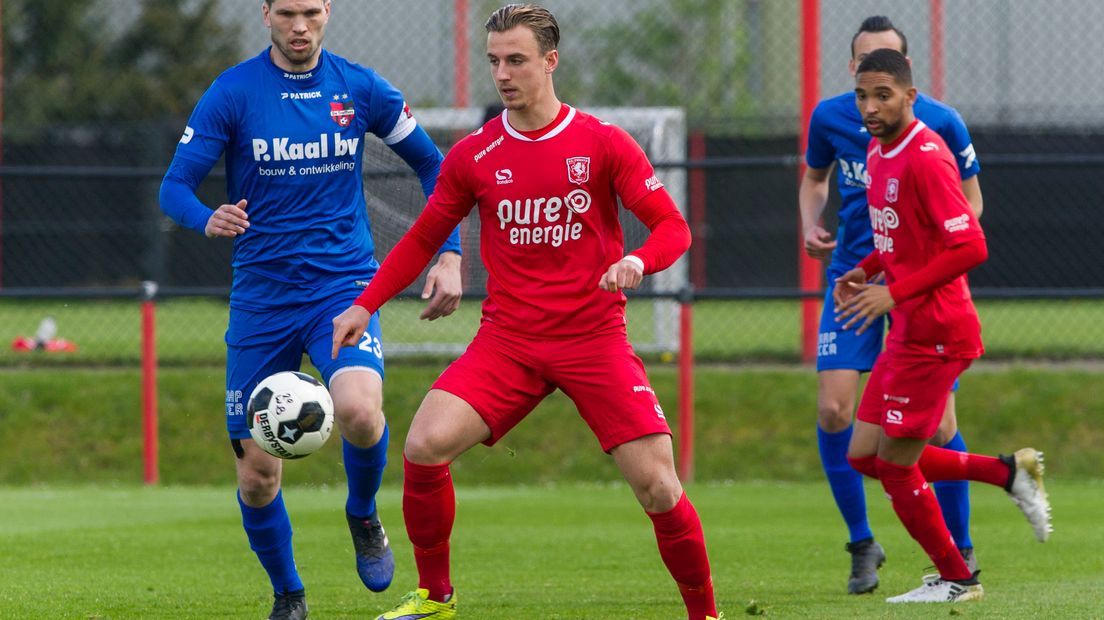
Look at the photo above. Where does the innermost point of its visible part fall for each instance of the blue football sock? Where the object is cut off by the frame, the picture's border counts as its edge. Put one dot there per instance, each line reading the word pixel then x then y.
pixel 269 532
pixel 954 499
pixel 846 483
pixel 364 471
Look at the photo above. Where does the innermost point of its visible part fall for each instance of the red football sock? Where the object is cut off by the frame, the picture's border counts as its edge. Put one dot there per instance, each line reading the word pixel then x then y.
pixel 916 506
pixel 865 465
pixel 429 509
pixel 682 547
pixel 943 464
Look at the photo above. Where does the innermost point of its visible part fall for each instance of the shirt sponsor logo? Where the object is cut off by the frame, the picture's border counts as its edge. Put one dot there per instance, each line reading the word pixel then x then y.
pixel 956 224
pixel 545 220
pixel 653 183
pixel 314 94
pixel 283 149
pixel 487 149
pixel 643 388
pixel 854 173
pixel 578 170
pixel 826 344
pixel 504 176
pixel 893 186
pixel 883 221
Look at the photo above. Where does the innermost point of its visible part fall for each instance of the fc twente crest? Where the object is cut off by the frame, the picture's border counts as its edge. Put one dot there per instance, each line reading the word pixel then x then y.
pixel 342 112
pixel 578 170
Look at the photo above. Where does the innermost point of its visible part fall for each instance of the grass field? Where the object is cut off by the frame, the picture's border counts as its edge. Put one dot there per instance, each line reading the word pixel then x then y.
pixel 551 552
pixel 190 331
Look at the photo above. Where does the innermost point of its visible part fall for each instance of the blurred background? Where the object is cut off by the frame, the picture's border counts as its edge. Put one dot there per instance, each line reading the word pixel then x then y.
pixel 96 93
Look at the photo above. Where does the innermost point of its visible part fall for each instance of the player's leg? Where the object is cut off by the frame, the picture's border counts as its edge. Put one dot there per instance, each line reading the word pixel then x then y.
pixel 648 465
pixel 355 380
pixel 608 384
pixel 954 495
pixel 841 357
pixel 260 344
pixel 913 401
pixel 478 398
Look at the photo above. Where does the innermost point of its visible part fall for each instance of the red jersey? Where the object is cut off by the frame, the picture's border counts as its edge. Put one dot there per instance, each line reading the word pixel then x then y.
pixel 918 210
pixel 549 226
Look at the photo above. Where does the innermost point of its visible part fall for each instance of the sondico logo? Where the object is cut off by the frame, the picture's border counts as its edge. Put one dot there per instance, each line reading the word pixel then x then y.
pixel 504 176
pixel 550 221
pixel 894 416
pixel 883 221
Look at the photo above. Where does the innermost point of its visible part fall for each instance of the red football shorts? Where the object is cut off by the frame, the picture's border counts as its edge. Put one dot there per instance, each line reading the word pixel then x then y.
pixel 504 376
pixel 906 394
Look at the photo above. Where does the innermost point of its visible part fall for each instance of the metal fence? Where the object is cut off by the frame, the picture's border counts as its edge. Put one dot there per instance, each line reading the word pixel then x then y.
pixel 96 93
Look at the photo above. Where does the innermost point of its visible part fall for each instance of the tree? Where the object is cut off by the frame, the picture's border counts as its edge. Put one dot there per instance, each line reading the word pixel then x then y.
pixel 98 61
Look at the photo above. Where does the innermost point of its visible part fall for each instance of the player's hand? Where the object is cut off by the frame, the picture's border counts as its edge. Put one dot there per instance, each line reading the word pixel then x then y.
pixel 228 221
pixel 349 326
pixel 844 288
pixel 869 302
pixel 444 284
pixel 819 243
pixel 620 275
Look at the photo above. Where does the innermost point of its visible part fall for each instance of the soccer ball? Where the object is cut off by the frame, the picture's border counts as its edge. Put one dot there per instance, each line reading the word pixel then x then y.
pixel 290 415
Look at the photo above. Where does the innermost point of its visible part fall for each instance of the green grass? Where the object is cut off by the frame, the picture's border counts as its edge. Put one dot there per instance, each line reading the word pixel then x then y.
pixel 750 424
pixel 551 552
pixel 190 331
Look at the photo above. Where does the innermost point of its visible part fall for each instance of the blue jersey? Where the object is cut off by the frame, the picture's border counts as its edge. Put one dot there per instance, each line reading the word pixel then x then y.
pixel 837 134
pixel 294 145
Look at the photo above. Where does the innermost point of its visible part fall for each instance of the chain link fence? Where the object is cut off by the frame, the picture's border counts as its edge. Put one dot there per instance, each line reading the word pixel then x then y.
pixel 96 93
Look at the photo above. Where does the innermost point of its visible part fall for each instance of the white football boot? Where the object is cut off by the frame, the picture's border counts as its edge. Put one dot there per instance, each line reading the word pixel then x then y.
pixel 939 591
pixel 1027 491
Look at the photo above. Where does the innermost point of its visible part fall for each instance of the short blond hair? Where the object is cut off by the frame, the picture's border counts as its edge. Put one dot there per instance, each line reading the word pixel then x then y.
pixel 536 18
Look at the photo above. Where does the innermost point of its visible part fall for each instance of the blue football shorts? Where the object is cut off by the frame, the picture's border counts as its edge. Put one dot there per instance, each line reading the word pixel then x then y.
pixel 259 344
pixel 841 349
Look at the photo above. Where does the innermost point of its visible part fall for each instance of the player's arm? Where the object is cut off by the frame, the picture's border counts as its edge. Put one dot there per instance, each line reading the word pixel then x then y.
pixel 972 190
pixel 443 286
pixel 202 144
pixel 179 202
pixel 451 201
pixel 669 239
pixel 812 198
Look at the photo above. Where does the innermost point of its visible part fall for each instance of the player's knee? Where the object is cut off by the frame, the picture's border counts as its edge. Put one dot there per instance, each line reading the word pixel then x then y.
pixel 361 422
pixel 834 416
pixel 658 493
pixel 258 486
pixel 426 447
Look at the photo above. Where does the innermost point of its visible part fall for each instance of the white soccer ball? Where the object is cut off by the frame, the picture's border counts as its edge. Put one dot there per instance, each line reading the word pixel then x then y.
pixel 290 415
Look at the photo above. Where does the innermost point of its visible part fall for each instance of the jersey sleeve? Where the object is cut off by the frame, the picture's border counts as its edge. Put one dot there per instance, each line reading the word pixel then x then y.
pixel 630 171
pixel 390 118
pixel 205 138
pixel 448 205
pixel 819 152
pixel 957 137
pixel 940 192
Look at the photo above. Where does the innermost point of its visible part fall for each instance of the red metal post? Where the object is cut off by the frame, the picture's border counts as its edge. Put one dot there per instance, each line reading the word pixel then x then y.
pixel 460 53
pixel 149 390
pixel 808 269
pixel 686 391
pixel 938 75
